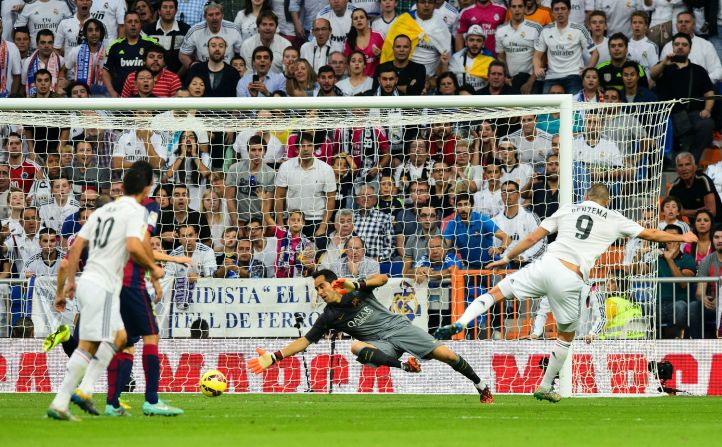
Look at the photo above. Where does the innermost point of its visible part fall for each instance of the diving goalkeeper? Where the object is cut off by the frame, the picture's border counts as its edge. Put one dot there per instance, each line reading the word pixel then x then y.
pixel 381 336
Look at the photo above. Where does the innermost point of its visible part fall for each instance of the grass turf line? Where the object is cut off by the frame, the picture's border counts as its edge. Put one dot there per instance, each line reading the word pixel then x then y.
pixel 371 420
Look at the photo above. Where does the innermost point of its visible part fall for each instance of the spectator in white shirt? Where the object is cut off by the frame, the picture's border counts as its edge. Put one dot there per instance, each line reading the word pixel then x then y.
pixel 316 52
pixel 195 43
pixel 307 184
pixel 641 48
pixel 47 261
pixel 62 204
pixel 618 13
pixel 267 36
pixel 20 248
pixel 515 47
pixel 338 13
pixel 387 17
pixel 598 30
pixel 702 53
pixel 439 37
pixel 564 44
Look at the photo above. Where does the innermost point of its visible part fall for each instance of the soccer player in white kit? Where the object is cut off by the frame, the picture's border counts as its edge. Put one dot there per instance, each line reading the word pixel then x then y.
pixel 584 231
pixel 113 233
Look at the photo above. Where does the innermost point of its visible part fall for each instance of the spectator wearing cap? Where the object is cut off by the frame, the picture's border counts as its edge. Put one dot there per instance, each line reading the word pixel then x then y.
pixel 195 43
pixel 497 81
pixel 470 65
pixel 702 51
pixel 169 33
pixel 220 77
pixel 316 52
pixel 166 83
pixel 677 77
pixel 267 36
pixel 564 44
pixel 515 46
pixel 261 81
pixel 411 75
pixel 485 13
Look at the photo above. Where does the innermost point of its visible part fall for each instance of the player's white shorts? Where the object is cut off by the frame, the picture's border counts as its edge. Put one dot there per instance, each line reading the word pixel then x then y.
pixel 547 276
pixel 99 311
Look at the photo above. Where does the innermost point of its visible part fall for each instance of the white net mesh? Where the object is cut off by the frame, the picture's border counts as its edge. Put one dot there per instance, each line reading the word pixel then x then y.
pixel 374 186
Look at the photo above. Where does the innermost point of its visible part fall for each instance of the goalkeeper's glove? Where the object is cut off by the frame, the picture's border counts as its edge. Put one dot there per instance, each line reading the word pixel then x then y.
pixel 264 360
pixel 344 286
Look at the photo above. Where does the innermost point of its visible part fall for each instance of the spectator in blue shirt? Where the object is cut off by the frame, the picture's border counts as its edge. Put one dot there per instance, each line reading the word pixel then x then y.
pixel 261 81
pixel 472 235
pixel 433 267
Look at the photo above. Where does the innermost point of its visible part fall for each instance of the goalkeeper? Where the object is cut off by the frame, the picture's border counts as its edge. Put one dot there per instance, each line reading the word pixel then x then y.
pixel 381 336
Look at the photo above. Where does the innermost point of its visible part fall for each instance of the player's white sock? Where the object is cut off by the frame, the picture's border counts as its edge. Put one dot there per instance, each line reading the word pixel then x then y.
pixel 476 308
pixel 77 365
pixel 97 367
pixel 556 361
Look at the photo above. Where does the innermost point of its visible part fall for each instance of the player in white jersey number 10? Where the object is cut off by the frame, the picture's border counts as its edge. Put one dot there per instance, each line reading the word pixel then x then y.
pixel 112 234
pixel 584 232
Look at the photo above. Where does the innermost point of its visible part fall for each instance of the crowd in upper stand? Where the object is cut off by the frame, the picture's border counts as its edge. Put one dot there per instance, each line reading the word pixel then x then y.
pixel 412 201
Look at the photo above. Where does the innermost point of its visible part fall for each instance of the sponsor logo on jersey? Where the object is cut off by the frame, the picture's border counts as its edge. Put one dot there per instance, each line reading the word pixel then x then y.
pixel 361 318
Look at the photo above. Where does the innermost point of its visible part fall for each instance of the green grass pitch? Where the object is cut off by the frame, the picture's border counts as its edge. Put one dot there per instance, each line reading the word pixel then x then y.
pixel 374 420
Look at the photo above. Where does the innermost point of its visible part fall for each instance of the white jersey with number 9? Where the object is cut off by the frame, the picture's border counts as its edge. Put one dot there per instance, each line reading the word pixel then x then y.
pixel 107 231
pixel 585 231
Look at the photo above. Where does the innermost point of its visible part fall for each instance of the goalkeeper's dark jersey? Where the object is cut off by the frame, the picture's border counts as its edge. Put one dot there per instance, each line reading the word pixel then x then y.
pixel 360 316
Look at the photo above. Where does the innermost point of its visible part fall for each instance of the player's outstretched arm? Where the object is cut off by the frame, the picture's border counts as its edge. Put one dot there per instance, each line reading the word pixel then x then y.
pixel 163 257
pixel 525 244
pixel 266 359
pixel 665 236
pixel 140 255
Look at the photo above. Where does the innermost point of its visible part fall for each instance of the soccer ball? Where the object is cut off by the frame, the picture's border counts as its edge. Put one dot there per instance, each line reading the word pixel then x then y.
pixel 213 383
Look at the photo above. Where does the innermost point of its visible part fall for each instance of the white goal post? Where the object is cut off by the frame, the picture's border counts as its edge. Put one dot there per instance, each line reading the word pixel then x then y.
pixel 627 141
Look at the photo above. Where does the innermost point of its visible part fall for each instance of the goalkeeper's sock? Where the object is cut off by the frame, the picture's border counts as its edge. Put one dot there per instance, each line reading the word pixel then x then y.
pixel 376 357
pixel 76 368
pixel 151 368
pixel 556 361
pixel 476 308
pixel 462 367
pixel 97 366
pixel 123 363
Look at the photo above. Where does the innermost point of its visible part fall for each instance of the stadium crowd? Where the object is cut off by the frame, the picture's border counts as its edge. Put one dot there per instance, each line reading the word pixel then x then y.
pixel 410 201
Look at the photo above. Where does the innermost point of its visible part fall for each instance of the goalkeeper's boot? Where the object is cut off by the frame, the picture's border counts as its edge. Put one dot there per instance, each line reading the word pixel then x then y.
pixel 124 405
pixel 485 396
pixel 115 412
pixel 160 409
pixel 445 332
pixel 412 365
pixel 61 335
pixel 60 415
pixel 85 402
pixel 543 393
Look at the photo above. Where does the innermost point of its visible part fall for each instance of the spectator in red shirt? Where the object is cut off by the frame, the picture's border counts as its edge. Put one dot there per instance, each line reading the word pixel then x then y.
pixel 167 83
pixel 23 172
pixel 485 14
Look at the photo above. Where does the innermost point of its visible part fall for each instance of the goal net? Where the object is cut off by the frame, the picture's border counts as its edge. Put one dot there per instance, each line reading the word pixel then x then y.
pixel 426 190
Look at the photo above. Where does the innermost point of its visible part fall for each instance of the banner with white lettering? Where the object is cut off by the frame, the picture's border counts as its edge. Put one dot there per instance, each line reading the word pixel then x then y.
pixel 602 368
pixel 255 308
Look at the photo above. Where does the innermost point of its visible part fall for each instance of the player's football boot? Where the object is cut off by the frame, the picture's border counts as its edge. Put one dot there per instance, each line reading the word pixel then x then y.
pixel 115 412
pixel 85 402
pixel 61 335
pixel 124 405
pixel 542 393
pixel 412 365
pixel 160 409
pixel 445 332
pixel 54 413
pixel 485 396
